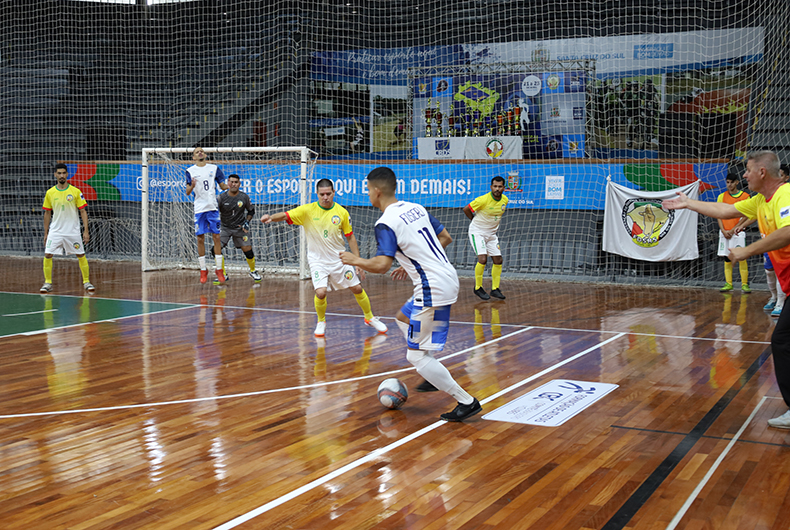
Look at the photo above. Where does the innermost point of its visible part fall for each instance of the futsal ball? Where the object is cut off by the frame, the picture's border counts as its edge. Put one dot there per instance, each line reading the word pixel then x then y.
pixel 392 393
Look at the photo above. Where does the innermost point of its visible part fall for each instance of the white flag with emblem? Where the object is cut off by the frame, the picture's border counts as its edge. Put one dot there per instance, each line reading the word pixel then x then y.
pixel 636 226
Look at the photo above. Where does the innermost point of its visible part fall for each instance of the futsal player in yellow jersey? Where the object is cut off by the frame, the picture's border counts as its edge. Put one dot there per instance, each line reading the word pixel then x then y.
pixel 485 213
pixel 327 226
pixel 63 207
pixel 770 205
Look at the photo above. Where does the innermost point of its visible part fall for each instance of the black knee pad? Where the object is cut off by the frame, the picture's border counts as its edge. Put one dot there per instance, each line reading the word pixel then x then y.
pixel 250 254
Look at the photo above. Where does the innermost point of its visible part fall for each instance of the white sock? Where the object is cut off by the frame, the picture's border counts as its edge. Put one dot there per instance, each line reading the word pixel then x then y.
pixel 202 262
pixel 439 376
pixel 218 262
pixel 770 277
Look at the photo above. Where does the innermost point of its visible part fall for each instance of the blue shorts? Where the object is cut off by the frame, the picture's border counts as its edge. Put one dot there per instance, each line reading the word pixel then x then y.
pixel 428 326
pixel 207 223
pixel 768 265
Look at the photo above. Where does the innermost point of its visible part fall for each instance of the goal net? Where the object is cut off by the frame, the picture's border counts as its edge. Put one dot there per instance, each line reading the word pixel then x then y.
pixel 559 99
pixel 275 178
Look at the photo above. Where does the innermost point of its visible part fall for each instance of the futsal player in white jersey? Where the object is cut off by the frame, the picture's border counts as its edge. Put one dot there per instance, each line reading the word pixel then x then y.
pixel 406 231
pixel 202 178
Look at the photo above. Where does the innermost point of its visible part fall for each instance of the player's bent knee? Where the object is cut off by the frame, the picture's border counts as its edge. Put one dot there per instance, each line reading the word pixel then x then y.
pixel 417 358
pixel 249 254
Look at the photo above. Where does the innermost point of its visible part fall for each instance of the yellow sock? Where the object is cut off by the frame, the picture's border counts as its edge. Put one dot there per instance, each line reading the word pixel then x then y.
pixel 496 274
pixel 319 370
pixel 320 308
pixel 744 268
pixel 84 268
pixel 48 270
pixel 251 263
pixel 728 271
pixel 740 318
pixel 726 310
pixel 224 271
pixel 479 269
pixel 478 327
pixel 364 303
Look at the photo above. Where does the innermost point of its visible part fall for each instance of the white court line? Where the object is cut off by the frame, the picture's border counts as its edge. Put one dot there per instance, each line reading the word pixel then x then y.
pixel 706 478
pixel 28 313
pixel 248 394
pixel 233 523
pixel 46 330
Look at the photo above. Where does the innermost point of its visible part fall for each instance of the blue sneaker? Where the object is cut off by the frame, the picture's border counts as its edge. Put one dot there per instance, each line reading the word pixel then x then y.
pixel 776 312
pixel 770 305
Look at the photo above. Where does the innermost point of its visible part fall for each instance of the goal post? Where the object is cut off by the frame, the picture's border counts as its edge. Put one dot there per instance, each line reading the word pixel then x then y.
pixel 275 178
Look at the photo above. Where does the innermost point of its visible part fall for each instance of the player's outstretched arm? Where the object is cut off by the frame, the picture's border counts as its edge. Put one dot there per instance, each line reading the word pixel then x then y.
pixel 717 210
pixel 275 218
pixel 377 264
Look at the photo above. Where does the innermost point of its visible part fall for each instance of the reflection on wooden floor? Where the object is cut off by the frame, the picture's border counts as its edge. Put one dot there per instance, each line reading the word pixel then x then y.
pixel 222 410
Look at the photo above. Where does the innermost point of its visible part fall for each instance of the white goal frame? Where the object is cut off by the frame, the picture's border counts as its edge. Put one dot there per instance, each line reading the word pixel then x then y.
pixel 304 193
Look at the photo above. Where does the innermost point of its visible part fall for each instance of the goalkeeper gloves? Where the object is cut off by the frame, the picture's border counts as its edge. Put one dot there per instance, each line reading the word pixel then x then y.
pixel 245 226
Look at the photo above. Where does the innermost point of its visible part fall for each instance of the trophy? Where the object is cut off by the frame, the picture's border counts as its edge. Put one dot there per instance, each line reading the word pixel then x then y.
pixel 451 125
pixel 428 117
pixel 476 123
pixel 510 119
pixel 500 120
pixel 438 115
pixel 517 124
pixel 487 131
pixel 467 125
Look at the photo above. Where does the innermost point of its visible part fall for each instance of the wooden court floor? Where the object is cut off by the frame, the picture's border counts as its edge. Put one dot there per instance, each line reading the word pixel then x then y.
pixel 160 403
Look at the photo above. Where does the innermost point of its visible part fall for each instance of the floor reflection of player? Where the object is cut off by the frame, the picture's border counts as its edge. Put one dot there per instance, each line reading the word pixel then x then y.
pixel 65 378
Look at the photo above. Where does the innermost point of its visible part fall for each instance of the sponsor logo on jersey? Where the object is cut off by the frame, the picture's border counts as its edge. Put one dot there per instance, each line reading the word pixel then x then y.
pixel 784 212
pixel 240 204
pixel 69 197
pixel 335 220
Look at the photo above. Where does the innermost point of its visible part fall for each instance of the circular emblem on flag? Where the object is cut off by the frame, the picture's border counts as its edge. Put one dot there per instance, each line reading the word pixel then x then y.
pixel 69 197
pixel 495 148
pixel 335 220
pixel 553 82
pixel 349 275
pixel 240 204
pixel 646 222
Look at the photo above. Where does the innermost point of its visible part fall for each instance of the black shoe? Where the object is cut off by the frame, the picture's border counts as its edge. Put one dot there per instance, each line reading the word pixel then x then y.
pixel 496 293
pixel 461 411
pixel 482 293
pixel 426 386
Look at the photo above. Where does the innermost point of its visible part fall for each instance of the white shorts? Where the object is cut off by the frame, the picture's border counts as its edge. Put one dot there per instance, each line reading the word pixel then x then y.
pixel 736 241
pixel 334 277
pixel 64 244
pixel 483 244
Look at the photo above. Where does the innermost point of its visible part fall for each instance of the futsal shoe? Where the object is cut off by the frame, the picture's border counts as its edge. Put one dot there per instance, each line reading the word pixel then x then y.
pixel 320 328
pixel 46 288
pixel 462 412
pixel 782 422
pixel 227 279
pixel 777 311
pixel 770 305
pixel 727 287
pixel 255 275
pixel 376 324
pixel 203 276
pixel 220 276
pixel 745 288
pixel 89 287
pixel 496 293
pixel 482 294
pixel 426 386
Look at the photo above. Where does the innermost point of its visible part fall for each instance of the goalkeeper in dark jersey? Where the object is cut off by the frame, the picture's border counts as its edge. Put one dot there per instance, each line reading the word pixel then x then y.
pixel 235 212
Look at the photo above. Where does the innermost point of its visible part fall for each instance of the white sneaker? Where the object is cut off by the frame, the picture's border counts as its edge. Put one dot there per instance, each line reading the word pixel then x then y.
pixel 376 324
pixel 89 287
pixel 320 329
pixel 46 288
pixel 255 275
pixel 782 422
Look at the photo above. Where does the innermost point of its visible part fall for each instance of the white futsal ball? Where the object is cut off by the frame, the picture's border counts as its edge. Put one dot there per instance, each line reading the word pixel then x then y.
pixel 392 393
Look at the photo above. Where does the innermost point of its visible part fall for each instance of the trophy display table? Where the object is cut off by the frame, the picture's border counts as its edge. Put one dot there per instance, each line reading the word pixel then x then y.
pixel 470 148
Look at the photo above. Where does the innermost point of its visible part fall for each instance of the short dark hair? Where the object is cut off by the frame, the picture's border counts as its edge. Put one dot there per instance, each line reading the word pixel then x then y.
pixel 384 179
pixel 61 166
pixel 324 183
pixel 498 179
pixel 785 168
pixel 234 176
pixel 733 176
